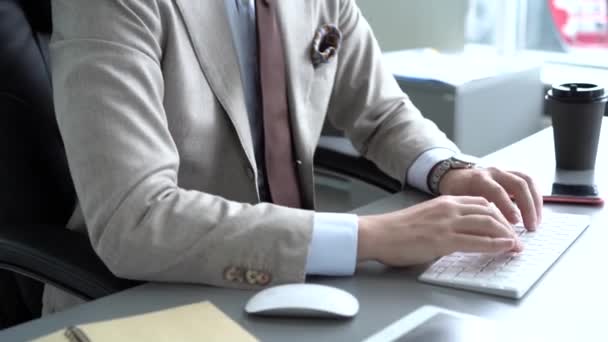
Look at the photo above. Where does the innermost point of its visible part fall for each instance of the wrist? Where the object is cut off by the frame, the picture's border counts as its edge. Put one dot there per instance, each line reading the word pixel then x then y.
pixel 437 178
pixel 451 177
pixel 366 238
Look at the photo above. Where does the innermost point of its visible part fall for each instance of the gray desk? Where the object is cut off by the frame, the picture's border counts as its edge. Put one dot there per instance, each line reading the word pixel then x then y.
pixel 566 305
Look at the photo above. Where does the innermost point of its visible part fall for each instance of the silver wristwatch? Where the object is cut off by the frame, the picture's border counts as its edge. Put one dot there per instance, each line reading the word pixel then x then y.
pixel 459 161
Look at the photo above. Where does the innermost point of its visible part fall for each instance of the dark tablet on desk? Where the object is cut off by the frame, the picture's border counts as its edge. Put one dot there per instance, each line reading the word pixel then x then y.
pixel 573 187
pixel 584 194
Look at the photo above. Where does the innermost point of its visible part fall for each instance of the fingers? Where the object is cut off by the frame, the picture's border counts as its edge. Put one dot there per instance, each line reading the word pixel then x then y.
pixel 474 200
pixel 495 192
pixel 536 195
pixel 485 208
pixel 486 226
pixel 519 188
pixel 481 244
pixel 475 205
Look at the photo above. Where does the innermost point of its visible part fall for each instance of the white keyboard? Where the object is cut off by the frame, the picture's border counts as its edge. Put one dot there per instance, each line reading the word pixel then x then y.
pixel 510 275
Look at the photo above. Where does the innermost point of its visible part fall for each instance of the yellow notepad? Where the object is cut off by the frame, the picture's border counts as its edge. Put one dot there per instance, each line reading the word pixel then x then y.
pixel 195 322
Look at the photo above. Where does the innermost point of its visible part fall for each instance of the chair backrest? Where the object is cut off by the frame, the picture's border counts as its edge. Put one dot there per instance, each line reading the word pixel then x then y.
pixel 35 183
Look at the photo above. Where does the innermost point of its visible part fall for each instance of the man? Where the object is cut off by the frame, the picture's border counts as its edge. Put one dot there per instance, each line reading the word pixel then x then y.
pixel 190 128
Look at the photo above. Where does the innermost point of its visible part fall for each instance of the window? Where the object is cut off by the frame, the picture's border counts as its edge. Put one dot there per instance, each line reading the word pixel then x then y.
pixel 572 31
pixel 568 25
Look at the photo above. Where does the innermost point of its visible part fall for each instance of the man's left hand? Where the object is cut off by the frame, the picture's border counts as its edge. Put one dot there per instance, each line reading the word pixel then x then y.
pixel 501 188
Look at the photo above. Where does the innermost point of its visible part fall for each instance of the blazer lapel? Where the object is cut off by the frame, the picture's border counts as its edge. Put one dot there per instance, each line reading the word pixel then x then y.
pixel 209 29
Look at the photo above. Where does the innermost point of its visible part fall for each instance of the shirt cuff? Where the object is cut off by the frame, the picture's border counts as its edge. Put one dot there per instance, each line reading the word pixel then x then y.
pixel 333 248
pixel 418 174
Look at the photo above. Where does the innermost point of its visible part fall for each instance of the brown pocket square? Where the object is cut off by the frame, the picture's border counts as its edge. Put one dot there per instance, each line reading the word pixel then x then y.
pixel 325 44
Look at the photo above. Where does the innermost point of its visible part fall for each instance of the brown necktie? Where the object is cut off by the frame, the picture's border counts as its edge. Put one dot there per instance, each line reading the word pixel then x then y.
pixel 278 147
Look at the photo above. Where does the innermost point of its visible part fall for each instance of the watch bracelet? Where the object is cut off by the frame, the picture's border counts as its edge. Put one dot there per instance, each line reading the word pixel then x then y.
pixel 436 174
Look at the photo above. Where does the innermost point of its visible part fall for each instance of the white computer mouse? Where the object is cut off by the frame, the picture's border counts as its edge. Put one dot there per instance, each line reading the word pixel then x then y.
pixel 303 300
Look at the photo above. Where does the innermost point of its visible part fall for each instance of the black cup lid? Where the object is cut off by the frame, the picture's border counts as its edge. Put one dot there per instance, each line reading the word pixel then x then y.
pixel 577 92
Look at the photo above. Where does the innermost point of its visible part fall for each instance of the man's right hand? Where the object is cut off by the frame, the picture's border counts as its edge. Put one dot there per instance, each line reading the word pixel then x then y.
pixel 433 229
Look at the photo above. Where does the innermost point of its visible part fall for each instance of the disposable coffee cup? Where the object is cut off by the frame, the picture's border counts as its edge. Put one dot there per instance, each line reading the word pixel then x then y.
pixel 576 111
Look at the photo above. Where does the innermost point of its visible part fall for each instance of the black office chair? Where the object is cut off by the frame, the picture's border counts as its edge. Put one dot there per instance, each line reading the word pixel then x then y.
pixel 37 196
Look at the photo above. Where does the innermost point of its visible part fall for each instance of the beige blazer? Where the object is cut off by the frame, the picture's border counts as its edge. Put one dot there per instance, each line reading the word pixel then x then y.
pixel 151 110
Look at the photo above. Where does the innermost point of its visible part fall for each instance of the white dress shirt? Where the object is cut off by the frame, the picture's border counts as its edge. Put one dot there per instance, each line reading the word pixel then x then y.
pixel 333 248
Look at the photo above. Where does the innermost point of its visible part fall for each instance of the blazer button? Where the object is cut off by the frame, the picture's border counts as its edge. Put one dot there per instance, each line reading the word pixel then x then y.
pixel 250 173
pixel 257 278
pixel 234 274
pixel 299 162
pixel 251 277
pixel 264 278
